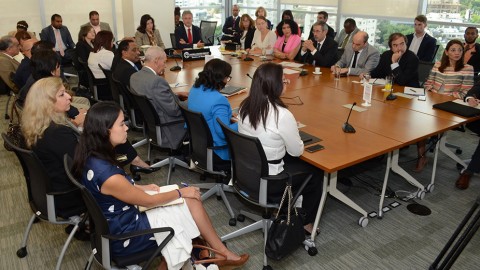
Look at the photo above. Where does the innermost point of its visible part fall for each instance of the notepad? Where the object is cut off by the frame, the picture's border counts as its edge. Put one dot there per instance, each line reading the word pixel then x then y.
pixel 175 85
pixel 291 64
pixel 231 90
pixel 414 91
pixel 163 189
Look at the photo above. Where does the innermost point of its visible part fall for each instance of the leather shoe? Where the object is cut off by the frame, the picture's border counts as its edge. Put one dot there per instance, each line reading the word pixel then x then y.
pixel 463 180
pixel 232 264
pixel 137 169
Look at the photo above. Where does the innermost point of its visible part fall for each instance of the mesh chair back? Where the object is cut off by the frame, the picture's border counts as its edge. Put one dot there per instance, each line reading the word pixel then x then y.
pixel 89 74
pixel 111 84
pixel 128 102
pixel 200 136
pixel 424 69
pixel 248 160
pixel 36 177
pixel 173 40
pixel 207 29
pixel 150 118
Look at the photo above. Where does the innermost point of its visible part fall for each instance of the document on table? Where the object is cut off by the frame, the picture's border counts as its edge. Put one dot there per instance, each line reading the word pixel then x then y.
pixel 175 85
pixel 377 81
pixel 403 95
pixel 460 101
pixel 290 71
pixel 355 108
pixel 414 91
pixel 291 64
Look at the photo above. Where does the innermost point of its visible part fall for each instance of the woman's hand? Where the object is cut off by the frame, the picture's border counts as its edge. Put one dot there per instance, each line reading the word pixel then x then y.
pixel 473 102
pixel 191 192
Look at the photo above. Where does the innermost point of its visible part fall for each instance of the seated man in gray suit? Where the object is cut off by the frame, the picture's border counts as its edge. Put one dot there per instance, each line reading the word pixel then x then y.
pixel 147 82
pixel 361 57
pixel 96 24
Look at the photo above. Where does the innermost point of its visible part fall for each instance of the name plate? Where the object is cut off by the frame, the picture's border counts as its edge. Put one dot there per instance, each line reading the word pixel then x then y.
pixel 195 54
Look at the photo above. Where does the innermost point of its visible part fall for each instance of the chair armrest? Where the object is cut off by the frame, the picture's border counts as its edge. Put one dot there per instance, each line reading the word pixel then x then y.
pixel 55 193
pixel 172 123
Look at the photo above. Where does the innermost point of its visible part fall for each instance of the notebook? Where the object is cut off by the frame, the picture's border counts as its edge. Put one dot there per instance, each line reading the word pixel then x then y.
pixel 162 190
pixel 231 90
pixel 308 139
pixel 458 109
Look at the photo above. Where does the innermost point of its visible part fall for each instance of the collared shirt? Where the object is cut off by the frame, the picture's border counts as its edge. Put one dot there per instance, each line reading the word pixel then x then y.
pixel 96 28
pixel 186 31
pixel 8 55
pixel 57 46
pixel 416 41
pixel 151 69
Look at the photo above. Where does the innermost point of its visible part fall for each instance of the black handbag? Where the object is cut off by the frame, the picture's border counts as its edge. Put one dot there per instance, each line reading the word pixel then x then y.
pixel 14 131
pixel 286 233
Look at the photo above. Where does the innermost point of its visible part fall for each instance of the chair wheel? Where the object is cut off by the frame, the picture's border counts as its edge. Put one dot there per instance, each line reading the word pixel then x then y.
pixel 267 267
pixel 219 198
pixel 7 116
pixel 137 178
pixel 36 220
pixel 232 222
pixel 312 251
pixel 241 218
pixel 458 151
pixel 460 167
pixel 22 252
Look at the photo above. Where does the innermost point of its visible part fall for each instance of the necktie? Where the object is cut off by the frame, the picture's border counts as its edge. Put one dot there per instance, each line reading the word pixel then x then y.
pixel 319 45
pixel 354 64
pixel 58 40
pixel 234 21
pixel 345 41
pixel 135 67
pixel 190 38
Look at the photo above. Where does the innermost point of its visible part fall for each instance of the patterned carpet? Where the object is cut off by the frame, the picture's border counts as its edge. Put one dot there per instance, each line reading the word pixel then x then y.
pixel 401 240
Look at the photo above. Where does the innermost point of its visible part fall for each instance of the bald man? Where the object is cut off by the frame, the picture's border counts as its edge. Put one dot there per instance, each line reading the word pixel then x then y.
pixel 147 82
pixel 24 70
pixel 358 58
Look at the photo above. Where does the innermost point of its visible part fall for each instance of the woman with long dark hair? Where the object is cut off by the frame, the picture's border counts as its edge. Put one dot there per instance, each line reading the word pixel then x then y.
pixel 147 34
pixel 117 195
pixel 264 115
pixel 205 97
pixel 288 41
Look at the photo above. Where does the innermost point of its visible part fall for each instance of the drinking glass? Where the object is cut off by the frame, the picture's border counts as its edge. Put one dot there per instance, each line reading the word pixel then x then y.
pixel 388 83
pixel 264 53
pixel 366 78
pixel 337 72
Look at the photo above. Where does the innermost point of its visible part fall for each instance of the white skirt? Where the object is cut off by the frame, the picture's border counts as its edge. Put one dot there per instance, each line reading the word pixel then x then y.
pixel 178 250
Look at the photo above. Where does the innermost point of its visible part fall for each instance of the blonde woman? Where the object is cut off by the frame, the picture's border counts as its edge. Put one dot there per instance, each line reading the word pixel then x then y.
pixel 261 11
pixel 263 38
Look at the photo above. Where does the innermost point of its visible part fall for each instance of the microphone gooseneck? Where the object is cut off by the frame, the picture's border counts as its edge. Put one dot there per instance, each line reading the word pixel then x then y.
pixel 248 75
pixel 348 128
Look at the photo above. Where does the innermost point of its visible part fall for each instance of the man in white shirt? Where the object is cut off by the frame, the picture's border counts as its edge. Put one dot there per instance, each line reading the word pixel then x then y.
pixel 96 24
pixel 421 43
pixel 359 58
pixel 189 34
pixel 59 35
pixel 9 47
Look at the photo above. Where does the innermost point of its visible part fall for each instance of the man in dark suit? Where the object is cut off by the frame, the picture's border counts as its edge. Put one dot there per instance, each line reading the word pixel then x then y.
pixel 127 56
pixel 474 166
pixel 322 51
pixel 231 27
pixel 189 34
pixel 472 51
pixel 147 82
pixel 399 62
pixel 421 43
pixel 322 16
pixel 59 35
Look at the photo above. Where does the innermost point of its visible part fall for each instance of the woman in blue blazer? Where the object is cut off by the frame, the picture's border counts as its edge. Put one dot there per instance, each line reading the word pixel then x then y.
pixel 205 97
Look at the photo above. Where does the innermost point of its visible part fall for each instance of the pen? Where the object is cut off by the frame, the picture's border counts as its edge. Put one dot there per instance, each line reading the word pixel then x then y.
pixel 184 184
pixel 176 84
pixel 374 81
pixel 413 90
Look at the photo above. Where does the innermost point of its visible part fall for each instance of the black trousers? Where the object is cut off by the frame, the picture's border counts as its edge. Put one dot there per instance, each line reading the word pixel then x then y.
pixel 311 193
pixel 474 165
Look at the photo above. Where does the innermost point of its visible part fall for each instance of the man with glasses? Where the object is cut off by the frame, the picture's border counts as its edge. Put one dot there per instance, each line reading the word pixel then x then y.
pixel 399 62
pixel 322 50
pixel 148 82
pixel 9 47
pixel 360 57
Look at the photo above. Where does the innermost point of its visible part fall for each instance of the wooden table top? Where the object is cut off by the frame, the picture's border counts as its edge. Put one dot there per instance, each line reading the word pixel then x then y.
pixel 382 128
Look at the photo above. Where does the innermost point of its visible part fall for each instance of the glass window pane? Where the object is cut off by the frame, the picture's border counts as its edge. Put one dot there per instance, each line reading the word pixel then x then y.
pixel 306 16
pixel 207 10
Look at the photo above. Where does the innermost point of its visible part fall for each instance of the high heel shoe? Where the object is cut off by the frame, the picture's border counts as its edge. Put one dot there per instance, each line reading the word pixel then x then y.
pixel 137 169
pixel 233 264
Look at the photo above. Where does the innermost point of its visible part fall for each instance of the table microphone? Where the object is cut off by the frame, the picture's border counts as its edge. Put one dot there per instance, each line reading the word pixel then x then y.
pixel 248 75
pixel 247 58
pixel 347 128
pixel 177 67
pixel 303 72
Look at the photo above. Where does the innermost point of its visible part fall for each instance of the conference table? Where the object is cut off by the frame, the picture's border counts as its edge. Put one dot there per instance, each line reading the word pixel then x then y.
pixel 320 103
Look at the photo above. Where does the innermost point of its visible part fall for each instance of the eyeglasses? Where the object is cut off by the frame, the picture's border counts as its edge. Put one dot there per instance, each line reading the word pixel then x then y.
pixel 286 81
pixel 229 78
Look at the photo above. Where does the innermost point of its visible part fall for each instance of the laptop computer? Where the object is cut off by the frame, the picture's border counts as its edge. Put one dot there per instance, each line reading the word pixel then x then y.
pixel 459 109
pixel 231 90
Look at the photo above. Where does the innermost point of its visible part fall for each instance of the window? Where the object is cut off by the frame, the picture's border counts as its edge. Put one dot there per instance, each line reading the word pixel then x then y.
pixel 206 10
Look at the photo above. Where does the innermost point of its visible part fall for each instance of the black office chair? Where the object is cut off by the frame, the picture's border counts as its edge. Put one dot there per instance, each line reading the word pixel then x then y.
pixel 101 237
pixel 424 69
pixel 201 154
pixel 173 40
pixel 207 29
pixel 153 129
pixel 10 94
pixel 42 199
pixel 435 53
pixel 128 104
pixel 113 88
pixel 251 182
pixel 92 82
pixel 81 72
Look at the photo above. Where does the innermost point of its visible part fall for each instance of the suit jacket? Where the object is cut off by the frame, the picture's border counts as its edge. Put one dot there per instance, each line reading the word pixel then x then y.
pixel 7 66
pixel 475 62
pixel 24 71
pixel 366 62
pixel 326 56
pixel 330 33
pixel 142 39
pixel 103 26
pixel 406 74
pixel 83 50
pixel 181 33
pixel 157 90
pixel 426 50
pixel 341 36
pixel 248 38
pixel 123 71
pixel 49 35
pixel 229 24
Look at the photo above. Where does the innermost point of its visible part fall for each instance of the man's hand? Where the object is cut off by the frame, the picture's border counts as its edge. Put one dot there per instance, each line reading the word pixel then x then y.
pixel 181 41
pixel 396 56
pixel 308 44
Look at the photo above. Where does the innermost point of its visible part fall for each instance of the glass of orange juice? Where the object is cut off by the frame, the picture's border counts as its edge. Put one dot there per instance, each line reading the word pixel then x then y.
pixel 388 83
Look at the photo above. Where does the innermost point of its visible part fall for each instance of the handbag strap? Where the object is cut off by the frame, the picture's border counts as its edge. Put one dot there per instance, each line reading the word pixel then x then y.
pixel 287 191
pixel 14 110
pixel 210 260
